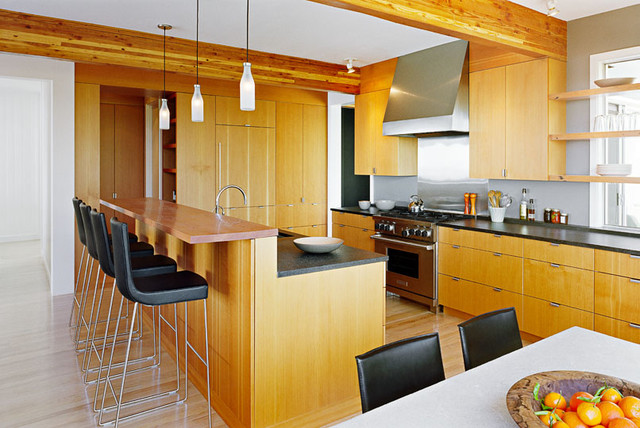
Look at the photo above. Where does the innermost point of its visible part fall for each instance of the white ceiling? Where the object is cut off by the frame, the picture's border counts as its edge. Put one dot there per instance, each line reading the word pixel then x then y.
pixel 289 27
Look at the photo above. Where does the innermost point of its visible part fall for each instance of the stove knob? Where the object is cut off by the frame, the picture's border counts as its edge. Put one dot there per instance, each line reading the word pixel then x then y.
pixel 406 232
pixel 385 226
pixel 378 226
pixel 392 227
pixel 426 233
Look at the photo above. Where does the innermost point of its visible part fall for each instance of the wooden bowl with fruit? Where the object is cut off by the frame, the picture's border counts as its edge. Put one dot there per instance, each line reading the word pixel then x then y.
pixel 573 399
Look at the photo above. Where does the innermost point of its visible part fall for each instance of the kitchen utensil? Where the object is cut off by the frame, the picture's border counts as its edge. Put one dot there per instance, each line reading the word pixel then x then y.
pixel 364 205
pixel 498 195
pixel 492 201
pixel 317 244
pixel 497 214
pixel 416 204
pixel 522 405
pixel 614 81
pixel 506 201
pixel 385 204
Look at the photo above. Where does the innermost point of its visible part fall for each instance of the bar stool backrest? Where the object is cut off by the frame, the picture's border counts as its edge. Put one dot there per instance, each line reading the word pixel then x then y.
pixel 122 259
pixel 76 210
pixel 101 236
pixel 88 230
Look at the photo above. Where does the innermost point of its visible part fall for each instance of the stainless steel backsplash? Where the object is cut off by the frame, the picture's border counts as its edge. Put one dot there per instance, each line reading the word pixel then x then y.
pixel 443 174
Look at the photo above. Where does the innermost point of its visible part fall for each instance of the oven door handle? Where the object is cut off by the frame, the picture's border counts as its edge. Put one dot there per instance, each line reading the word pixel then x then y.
pixel 396 241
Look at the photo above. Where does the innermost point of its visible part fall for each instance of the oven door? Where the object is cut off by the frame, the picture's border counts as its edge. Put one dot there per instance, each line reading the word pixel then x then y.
pixel 410 266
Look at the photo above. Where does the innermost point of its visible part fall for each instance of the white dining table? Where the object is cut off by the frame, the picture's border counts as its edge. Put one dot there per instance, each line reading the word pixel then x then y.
pixel 477 397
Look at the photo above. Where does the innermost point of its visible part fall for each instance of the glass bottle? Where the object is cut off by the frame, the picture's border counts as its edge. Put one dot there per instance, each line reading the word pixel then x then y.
pixel 523 205
pixel 531 210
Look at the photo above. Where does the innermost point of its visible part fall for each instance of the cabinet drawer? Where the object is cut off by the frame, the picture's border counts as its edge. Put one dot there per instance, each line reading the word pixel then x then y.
pixel 354 236
pixel 315 230
pixel 315 213
pixel 494 269
pixel 542 318
pixel 568 255
pixel 618 297
pixel 618 263
pixel 481 240
pixel 475 299
pixel 557 283
pixel 620 329
pixel 290 215
pixel 355 220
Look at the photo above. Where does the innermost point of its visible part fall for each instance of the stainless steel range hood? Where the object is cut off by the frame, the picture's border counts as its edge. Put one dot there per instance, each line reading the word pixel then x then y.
pixel 430 93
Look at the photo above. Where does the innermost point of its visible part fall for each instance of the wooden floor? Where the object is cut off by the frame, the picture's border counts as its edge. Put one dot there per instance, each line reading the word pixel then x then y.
pixel 40 371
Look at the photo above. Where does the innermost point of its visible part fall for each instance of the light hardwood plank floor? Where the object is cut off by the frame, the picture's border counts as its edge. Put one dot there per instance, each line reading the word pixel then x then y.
pixel 40 371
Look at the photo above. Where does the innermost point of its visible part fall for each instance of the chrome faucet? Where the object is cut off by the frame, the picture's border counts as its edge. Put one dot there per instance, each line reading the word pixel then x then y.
pixel 229 186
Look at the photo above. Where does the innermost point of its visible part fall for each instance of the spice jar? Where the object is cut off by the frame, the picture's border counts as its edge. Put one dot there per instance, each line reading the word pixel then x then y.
pixel 564 218
pixel 555 216
pixel 547 215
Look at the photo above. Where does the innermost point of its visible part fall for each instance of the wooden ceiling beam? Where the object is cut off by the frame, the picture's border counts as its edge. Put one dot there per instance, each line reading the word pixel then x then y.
pixel 493 22
pixel 97 44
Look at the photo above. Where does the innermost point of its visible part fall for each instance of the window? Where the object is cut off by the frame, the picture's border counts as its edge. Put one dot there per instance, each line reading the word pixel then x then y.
pixel 617 205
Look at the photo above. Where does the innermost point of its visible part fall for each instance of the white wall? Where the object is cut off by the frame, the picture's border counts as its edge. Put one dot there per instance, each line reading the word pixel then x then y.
pixel 58 239
pixel 20 147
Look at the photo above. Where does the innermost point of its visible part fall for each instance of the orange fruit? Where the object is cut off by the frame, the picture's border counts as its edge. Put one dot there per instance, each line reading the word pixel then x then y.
pixel 560 424
pixel 555 401
pixel 546 419
pixel 574 402
pixel 630 406
pixel 622 423
pixel 611 394
pixel 589 414
pixel 636 421
pixel 610 411
pixel 572 419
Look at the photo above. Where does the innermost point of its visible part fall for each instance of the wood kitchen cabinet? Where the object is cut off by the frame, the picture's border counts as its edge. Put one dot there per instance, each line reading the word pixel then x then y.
pixel 376 154
pixel 195 153
pixel 543 318
pixel 510 119
pixel 228 113
pixel 246 157
pixel 301 165
pixel 354 229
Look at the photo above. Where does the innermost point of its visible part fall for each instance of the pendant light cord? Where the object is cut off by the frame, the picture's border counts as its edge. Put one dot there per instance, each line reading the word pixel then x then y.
pixel 197 38
pixel 164 56
pixel 247 30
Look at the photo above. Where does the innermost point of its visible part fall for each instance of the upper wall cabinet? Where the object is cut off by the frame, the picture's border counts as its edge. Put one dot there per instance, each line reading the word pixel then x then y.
pixel 510 119
pixel 228 113
pixel 376 154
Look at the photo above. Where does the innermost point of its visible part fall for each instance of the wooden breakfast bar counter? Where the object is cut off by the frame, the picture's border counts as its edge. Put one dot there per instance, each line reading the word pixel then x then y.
pixel 281 348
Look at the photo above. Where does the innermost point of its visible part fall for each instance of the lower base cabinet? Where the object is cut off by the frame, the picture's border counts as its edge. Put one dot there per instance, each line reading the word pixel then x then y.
pixel 616 328
pixel 315 230
pixel 354 236
pixel 475 299
pixel 543 318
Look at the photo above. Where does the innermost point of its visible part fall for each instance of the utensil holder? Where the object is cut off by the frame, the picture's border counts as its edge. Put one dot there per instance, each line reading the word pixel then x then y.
pixel 497 214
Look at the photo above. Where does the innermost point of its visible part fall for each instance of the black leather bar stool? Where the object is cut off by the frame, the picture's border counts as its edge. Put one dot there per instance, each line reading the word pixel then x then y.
pixel 141 266
pixel 171 288
pixel 82 237
pixel 138 249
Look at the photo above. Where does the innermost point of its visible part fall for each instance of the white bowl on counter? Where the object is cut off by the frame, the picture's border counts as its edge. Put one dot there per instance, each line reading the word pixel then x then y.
pixel 364 205
pixel 318 244
pixel 385 204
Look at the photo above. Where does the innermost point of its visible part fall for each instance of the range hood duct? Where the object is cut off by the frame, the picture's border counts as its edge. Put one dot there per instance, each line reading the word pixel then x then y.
pixel 429 96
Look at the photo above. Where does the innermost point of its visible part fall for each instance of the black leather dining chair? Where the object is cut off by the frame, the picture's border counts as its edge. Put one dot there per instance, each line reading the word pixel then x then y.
pixel 397 369
pixel 489 336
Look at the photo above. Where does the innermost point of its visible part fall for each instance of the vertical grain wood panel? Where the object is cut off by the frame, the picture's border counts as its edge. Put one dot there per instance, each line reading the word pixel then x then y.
pixel 128 162
pixel 289 146
pixel 314 161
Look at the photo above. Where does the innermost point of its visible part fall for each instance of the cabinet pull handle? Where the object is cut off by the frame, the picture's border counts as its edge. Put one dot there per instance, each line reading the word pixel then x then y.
pixel 260 206
pixel 289 205
pixel 555 305
pixel 497 254
pixel 634 257
pixel 374 170
pixel 497 289
pixel 455 246
pixel 314 225
pixel 455 230
pixel 497 236
pixel 315 203
pixel 632 325
pixel 553 244
pixel 635 281
pixel 341 225
pixel 504 172
pixel 455 279
pixel 364 230
pixel 553 265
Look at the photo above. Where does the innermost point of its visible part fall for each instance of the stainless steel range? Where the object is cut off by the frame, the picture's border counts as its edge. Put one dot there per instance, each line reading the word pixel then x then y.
pixel 409 240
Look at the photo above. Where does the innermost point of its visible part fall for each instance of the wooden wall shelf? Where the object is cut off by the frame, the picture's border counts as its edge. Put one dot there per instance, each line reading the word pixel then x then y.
pixel 592 135
pixel 587 93
pixel 169 170
pixel 594 179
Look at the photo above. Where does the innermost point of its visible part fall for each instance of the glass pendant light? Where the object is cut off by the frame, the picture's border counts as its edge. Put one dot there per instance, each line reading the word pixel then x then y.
pixel 197 103
pixel 165 114
pixel 247 85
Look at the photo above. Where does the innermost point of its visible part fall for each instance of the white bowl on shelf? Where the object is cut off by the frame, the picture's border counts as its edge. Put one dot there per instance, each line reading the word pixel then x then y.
pixel 318 244
pixel 613 170
pixel 385 204
pixel 614 81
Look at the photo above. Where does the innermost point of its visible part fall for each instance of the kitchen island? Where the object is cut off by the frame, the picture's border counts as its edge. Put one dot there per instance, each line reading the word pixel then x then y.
pixel 282 347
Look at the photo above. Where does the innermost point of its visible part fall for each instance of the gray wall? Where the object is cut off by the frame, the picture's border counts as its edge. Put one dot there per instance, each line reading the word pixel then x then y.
pixel 605 32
